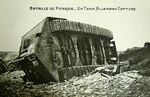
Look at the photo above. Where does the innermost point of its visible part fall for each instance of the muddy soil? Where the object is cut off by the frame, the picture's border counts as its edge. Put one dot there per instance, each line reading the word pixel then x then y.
pixel 127 84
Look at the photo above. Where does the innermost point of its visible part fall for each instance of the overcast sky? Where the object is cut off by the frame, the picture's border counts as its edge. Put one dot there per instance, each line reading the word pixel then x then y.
pixel 130 28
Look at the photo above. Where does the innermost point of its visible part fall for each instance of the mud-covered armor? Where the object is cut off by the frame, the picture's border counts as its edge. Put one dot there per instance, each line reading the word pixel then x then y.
pixel 57 49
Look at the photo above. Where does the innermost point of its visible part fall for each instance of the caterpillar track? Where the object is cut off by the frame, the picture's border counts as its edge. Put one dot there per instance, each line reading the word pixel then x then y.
pixel 57 49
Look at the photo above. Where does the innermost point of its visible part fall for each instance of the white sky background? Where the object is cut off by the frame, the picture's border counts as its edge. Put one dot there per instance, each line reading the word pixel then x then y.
pixel 130 28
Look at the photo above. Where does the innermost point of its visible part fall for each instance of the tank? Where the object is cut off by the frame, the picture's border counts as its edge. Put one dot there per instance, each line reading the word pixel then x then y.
pixel 57 49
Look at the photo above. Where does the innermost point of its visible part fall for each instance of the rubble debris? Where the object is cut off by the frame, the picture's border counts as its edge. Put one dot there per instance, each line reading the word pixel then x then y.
pixel 126 84
pixel 8 57
pixel 123 67
pixel 3 66
pixel 13 76
pixel 107 69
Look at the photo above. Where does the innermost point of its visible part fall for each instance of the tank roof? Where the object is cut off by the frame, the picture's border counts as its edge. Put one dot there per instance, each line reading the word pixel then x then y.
pixel 72 26
pixel 61 24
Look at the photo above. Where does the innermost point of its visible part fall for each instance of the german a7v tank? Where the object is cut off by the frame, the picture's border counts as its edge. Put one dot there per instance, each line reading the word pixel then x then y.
pixel 57 49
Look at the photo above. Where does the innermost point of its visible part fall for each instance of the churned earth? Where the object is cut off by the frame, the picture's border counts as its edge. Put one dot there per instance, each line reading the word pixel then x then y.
pixel 127 84
pixel 133 82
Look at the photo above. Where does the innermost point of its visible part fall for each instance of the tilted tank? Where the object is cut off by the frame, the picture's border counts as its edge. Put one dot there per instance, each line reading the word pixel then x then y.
pixel 57 49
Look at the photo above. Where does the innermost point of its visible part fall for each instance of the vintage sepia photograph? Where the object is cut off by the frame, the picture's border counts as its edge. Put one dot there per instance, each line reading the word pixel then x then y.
pixel 74 48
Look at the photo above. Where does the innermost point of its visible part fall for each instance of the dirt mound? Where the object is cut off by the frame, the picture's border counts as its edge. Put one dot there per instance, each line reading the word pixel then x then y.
pixel 138 59
pixel 127 84
pixel 143 54
pixel 135 55
pixel 129 53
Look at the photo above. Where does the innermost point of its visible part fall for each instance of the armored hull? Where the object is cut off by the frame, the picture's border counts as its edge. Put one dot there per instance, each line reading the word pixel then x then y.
pixel 57 49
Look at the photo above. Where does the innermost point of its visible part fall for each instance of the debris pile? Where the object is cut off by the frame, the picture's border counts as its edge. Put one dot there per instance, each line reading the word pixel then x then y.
pixel 6 57
pixel 132 80
pixel 127 84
